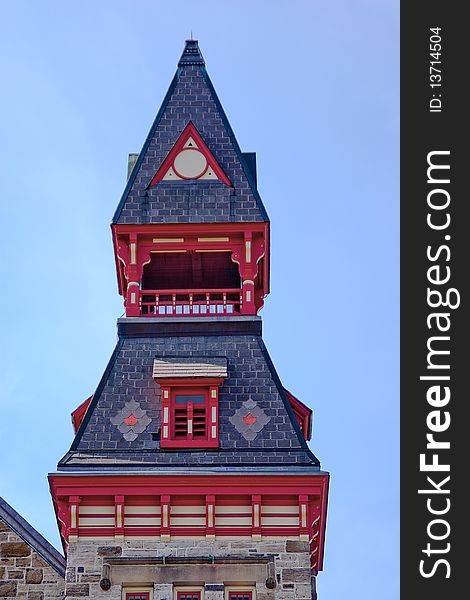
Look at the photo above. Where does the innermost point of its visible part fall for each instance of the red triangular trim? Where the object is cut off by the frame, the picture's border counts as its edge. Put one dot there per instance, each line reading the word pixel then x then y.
pixel 79 413
pixel 302 413
pixel 189 131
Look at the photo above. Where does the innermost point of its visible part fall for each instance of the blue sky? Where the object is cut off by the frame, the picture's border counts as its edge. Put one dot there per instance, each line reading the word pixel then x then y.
pixel 312 87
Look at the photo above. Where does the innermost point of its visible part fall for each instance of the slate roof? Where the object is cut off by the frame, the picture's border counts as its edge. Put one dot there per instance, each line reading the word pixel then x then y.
pixel 191 97
pixel 129 378
pixel 32 537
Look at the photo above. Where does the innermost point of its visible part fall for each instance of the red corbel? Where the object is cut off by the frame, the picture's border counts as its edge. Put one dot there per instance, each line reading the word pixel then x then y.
pixel 314 532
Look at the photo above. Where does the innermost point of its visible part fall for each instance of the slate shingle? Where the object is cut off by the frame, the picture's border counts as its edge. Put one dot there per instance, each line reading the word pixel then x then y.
pixel 250 374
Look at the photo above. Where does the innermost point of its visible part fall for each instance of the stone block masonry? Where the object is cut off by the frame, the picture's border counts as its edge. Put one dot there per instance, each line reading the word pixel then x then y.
pixel 276 569
pixel 23 573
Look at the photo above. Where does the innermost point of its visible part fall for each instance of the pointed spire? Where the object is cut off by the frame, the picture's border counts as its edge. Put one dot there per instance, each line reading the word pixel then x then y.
pixel 191 54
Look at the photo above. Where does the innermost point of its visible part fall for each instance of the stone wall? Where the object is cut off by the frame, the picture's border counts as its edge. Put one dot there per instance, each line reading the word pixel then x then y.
pixel 23 573
pixel 288 562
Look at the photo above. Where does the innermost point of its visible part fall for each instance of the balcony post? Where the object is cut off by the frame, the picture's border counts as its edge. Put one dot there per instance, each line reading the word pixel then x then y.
pixel 248 271
pixel 133 278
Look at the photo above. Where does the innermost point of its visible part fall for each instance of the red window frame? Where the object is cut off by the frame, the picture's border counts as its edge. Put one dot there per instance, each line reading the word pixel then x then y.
pixel 240 595
pixel 137 595
pixel 190 412
pixel 193 595
pixel 182 424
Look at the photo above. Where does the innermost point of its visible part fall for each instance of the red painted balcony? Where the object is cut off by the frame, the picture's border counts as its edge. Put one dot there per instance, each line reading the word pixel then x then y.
pixel 190 303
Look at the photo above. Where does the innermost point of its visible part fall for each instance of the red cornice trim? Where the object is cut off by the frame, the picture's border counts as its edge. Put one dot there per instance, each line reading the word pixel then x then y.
pixel 196 228
pixel 189 131
pixel 148 485
pixel 77 489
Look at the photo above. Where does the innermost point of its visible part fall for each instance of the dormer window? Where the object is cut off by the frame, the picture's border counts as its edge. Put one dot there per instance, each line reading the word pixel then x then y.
pixel 190 401
pixel 190 413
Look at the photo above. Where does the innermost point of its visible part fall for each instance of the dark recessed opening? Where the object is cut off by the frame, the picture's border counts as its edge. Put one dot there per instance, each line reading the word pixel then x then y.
pixel 191 270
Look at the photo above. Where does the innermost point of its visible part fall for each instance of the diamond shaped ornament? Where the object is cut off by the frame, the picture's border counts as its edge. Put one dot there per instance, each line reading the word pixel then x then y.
pixel 249 419
pixel 131 420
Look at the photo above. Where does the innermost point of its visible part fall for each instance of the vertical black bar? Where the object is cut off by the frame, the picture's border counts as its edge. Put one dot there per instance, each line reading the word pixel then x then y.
pixel 434 266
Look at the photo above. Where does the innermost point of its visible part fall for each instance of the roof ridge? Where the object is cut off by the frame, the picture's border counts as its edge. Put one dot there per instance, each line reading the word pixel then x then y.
pixel 191 54
pixel 32 537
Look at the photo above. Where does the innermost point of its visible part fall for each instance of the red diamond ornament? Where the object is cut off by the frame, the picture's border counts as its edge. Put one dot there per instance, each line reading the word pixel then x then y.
pixel 250 419
pixel 131 420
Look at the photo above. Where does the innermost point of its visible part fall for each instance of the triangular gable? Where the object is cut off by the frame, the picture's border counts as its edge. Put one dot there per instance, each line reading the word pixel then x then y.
pixel 190 158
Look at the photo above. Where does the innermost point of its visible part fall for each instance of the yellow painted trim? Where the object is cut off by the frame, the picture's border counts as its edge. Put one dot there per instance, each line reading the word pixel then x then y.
pixel 119 515
pixel 241 510
pixel 184 510
pixel 73 515
pixel 288 521
pixel 248 251
pixel 304 515
pixel 241 521
pixel 133 253
pixel 287 510
pixel 221 250
pixel 94 522
pixel 138 510
pixel 167 240
pixel 256 515
pixel 96 510
pixel 139 521
pixel 213 239
pixel 181 521
pixel 165 515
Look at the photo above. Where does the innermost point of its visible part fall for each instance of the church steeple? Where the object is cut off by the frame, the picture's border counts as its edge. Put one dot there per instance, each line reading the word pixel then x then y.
pixel 190 446
pixel 191 233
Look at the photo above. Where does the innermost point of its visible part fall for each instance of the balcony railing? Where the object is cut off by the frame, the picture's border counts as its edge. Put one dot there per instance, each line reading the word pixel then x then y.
pixel 190 303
